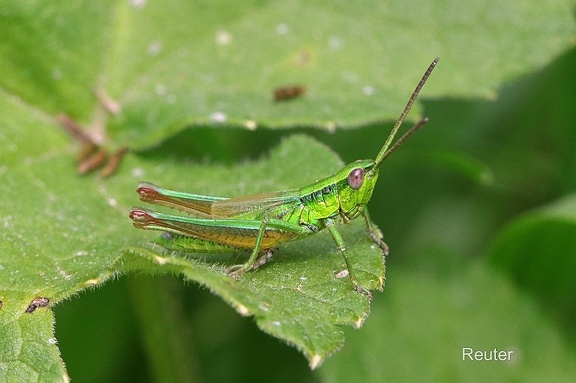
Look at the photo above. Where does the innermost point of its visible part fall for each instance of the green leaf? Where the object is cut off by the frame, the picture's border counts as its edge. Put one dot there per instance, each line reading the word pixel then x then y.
pixel 204 63
pixel 538 250
pixel 28 351
pixel 425 318
pixel 66 233
pixel 192 64
pixel 466 165
pixel 296 298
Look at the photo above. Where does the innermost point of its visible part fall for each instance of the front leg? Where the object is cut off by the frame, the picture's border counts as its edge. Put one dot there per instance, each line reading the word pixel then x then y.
pixel 344 251
pixel 375 233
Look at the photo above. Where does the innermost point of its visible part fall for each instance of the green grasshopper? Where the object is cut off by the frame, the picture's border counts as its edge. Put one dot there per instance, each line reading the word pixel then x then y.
pixel 261 222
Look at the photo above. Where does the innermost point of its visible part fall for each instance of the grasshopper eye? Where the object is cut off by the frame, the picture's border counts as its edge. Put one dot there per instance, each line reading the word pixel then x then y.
pixel 356 178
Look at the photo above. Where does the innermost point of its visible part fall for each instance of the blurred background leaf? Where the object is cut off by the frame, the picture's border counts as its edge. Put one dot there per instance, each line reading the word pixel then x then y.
pixel 538 250
pixel 177 64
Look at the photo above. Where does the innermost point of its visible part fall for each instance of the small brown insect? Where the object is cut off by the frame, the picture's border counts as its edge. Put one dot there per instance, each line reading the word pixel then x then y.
pixel 288 92
pixel 37 302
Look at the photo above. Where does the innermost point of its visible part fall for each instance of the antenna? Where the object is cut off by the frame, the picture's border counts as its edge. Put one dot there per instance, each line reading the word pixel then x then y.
pixel 385 152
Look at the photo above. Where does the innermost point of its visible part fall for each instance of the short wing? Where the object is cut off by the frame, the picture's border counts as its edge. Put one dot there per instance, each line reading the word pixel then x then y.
pixel 194 204
pixel 253 206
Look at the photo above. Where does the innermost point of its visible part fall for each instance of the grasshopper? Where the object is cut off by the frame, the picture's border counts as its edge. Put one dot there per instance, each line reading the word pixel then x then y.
pixel 261 222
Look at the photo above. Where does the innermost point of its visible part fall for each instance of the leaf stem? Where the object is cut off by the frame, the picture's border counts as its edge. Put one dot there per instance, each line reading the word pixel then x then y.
pixel 166 337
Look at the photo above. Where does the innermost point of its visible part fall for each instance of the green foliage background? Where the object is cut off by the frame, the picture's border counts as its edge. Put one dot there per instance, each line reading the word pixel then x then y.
pixel 478 208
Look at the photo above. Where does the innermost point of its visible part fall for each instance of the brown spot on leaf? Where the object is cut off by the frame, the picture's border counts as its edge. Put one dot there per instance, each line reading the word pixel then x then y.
pixel 36 303
pixel 288 92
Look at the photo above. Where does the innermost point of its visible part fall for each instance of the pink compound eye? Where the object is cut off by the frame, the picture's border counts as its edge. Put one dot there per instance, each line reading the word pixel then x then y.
pixel 356 178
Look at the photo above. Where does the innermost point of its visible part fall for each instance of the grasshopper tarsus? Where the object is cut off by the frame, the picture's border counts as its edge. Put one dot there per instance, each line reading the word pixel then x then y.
pixel 268 253
pixel 362 290
pixel 375 234
pixel 237 270
pixel 380 243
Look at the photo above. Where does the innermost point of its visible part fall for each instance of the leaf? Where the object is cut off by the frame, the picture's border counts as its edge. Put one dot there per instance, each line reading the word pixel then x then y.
pixel 28 351
pixel 169 66
pixel 466 165
pixel 426 318
pixel 204 63
pixel 538 250
pixel 297 298
pixel 66 233
pixel 50 234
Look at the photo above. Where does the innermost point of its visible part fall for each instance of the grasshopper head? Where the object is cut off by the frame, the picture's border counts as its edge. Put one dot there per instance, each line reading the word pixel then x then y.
pixel 357 181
